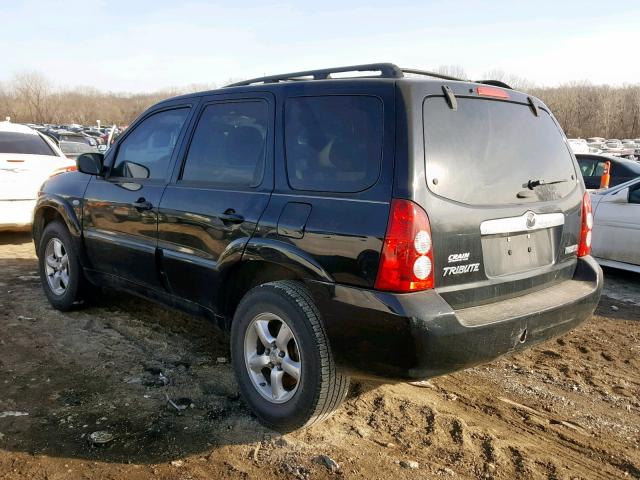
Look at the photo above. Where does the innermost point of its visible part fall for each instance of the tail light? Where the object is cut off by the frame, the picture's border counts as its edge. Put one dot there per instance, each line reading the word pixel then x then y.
pixel 406 264
pixel 584 248
pixel 58 171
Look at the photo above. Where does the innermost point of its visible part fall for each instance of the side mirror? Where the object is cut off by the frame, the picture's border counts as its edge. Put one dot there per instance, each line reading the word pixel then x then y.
pixel 90 163
pixel 621 196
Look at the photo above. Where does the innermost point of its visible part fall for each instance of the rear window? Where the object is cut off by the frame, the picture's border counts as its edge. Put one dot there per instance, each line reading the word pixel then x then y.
pixel 487 151
pixel 24 143
pixel 333 143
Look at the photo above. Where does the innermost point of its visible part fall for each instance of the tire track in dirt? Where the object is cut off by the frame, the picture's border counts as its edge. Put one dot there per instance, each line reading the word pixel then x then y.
pixel 567 409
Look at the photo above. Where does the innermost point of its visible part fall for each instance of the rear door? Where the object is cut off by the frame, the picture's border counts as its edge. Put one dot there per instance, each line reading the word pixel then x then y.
pixel 218 192
pixel 121 209
pixel 503 197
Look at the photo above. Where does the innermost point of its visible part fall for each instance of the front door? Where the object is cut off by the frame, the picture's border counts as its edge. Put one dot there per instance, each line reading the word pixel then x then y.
pixel 617 228
pixel 121 209
pixel 211 208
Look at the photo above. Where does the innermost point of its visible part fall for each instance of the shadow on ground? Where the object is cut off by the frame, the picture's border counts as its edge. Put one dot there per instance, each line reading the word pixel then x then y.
pixel 111 367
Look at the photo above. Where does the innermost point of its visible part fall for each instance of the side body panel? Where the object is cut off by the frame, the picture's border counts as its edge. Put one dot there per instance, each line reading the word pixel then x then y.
pixel 337 235
pixel 121 215
pixel 203 228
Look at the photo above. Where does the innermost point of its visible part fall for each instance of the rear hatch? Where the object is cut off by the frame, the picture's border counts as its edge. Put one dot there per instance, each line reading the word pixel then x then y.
pixel 503 197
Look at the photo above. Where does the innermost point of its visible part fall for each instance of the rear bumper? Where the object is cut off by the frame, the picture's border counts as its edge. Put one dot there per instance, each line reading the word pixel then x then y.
pixel 16 214
pixel 418 335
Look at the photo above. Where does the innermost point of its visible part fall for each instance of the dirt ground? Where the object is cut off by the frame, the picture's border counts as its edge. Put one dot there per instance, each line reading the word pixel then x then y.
pixel 568 409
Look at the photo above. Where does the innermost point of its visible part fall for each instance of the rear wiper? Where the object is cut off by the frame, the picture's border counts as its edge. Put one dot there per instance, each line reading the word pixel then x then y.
pixel 531 184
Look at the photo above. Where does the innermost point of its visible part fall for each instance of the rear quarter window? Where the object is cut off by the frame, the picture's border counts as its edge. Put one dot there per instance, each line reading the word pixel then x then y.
pixel 486 151
pixel 333 143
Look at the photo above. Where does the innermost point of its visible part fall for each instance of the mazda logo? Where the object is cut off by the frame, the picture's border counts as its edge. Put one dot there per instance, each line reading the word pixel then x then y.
pixel 531 220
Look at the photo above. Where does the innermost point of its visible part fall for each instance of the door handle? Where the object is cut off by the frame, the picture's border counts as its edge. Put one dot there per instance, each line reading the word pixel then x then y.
pixel 142 204
pixel 230 216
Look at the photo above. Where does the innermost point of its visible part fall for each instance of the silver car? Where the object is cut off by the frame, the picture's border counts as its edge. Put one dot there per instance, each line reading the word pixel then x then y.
pixel 616 229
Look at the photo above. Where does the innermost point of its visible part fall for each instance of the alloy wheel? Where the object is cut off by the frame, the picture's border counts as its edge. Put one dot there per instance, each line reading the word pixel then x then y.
pixel 57 266
pixel 272 357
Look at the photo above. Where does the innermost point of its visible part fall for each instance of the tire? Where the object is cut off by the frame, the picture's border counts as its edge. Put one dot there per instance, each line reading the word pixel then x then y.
pixel 319 389
pixel 57 237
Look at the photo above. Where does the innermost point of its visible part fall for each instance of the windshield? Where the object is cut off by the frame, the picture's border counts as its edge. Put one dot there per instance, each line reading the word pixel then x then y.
pixel 24 143
pixel 494 152
pixel 75 148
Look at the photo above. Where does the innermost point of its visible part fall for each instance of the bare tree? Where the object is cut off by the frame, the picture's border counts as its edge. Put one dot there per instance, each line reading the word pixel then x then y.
pixel 32 91
pixel 456 71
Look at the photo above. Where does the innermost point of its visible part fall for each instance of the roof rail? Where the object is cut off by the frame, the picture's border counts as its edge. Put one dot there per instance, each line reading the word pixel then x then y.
pixel 387 70
pixel 432 74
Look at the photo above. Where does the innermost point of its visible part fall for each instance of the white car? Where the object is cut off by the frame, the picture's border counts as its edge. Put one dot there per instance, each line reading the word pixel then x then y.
pixel 616 226
pixel 578 145
pixel 27 159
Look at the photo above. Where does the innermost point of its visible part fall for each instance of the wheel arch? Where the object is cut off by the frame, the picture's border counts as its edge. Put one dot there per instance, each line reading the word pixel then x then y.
pixel 54 208
pixel 264 261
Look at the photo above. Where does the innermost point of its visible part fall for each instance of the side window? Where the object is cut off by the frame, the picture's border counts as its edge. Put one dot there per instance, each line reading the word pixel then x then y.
pixel 599 169
pixel 586 167
pixel 145 153
pixel 634 194
pixel 229 144
pixel 333 143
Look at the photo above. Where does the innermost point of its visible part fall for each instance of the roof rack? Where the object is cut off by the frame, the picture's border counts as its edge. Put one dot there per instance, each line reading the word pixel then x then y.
pixel 387 70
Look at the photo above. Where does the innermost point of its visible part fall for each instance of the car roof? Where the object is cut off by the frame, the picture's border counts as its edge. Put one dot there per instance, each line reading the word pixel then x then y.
pixel 389 73
pixel 16 128
pixel 611 158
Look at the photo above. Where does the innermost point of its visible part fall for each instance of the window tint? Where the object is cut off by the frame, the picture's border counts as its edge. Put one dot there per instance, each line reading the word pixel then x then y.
pixel 599 169
pixel 333 143
pixel 586 167
pixel 486 150
pixel 24 143
pixel 630 168
pixel 146 151
pixel 229 144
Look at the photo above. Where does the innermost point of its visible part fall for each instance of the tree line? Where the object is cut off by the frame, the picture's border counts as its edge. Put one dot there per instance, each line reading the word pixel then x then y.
pixel 583 110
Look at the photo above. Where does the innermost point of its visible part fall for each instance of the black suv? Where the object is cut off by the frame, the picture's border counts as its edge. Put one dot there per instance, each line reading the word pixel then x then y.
pixel 395 226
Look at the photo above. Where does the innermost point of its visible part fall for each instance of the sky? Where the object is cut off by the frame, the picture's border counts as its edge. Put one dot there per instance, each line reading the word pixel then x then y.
pixel 139 46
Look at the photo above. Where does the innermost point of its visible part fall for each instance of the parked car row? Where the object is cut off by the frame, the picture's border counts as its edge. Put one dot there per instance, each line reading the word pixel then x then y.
pixel 74 139
pixel 627 148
